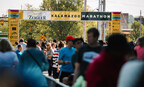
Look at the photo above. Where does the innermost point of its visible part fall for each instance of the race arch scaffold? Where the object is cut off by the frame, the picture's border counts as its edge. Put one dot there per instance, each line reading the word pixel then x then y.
pixel 14 16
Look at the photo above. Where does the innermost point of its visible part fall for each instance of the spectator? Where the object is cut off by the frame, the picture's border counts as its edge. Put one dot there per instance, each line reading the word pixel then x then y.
pixel 34 62
pixel 87 52
pixel 8 59
pixel 21 42
pixel 65 55
pixel 104 70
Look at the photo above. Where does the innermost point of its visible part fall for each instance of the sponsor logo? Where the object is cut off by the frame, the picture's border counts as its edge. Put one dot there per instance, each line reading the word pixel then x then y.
pixel 37 17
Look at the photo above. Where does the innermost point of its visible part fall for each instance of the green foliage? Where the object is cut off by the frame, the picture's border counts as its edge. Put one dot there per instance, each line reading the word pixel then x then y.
pixel 60 29
pixel 4 28
pixel 55 29
pixel 136 32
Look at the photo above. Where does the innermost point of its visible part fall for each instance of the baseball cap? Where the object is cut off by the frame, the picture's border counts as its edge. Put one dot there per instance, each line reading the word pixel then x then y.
pixel 68 38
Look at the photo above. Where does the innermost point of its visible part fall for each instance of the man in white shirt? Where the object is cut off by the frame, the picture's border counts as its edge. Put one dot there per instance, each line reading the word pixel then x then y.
pixel 21 42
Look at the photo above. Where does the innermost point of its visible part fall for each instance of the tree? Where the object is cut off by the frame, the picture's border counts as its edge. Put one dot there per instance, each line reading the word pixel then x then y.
pixel 4 28
pixel 55 29
pixel 60 29
pixel 136 32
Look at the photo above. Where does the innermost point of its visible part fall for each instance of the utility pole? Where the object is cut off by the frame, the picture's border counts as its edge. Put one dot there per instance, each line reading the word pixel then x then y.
pixel 99 22
pixel 101 25
pixel 104 6
pixel 140 23
pixel 84 23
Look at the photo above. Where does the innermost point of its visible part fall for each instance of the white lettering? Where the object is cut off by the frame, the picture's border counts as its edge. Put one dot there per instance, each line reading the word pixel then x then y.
pixel 87 16
pixel 94 16
pixel 83 16
pixel 91 16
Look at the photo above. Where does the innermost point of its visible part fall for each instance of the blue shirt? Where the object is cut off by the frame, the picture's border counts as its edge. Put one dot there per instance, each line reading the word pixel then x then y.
pixel 65 54
pixel 31 68
pixel 8 59
pixel 19 54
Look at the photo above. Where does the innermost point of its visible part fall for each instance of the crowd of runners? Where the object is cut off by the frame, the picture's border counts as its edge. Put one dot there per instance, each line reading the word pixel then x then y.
pixel 73 62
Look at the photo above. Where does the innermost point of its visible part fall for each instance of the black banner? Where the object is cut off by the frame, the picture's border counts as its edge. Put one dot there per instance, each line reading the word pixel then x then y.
pixel 96 16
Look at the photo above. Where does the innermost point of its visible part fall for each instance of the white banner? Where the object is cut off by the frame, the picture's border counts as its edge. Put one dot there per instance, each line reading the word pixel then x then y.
pixel 36 15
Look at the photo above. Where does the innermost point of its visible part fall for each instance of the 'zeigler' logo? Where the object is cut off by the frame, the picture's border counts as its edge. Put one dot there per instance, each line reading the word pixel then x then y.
pixel 37 17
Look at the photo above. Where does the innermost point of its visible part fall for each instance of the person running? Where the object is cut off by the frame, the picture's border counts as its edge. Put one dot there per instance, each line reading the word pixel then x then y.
pixel 21 42
pixel 18 52
pixel 140 49
pixel 33 63
pixel 76 43
pixel 65 55
pixel 16 45
pixel 8 58
pixel 55 66
pixel 60 45
pixel 49 58
pixel 38 46
pixel 87 52
pixel 104 70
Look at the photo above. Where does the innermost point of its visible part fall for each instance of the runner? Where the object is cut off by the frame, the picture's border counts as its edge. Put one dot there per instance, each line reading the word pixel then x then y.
pixel 18 52
pixel 8 58
pixel 104 70
pixel 65 55
pixel 87 52
pixel 49 58
pixel 33 63
pixel 77 43
pixel 21 42
pixel 55 66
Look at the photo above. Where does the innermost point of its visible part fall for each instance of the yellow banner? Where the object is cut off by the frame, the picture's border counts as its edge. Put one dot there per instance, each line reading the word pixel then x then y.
pixel 110 27
pixel 116 20
pixel 116 15
pixel 116 28
pixel 66 16
pixel 14 31
pixel 13 12
pixel 20 14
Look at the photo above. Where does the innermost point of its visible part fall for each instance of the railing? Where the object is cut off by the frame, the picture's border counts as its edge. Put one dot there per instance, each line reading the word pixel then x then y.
pixel 54 83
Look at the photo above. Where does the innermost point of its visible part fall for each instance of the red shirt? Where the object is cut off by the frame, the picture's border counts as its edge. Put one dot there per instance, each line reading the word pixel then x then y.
pixel 103 71
pixel 140 52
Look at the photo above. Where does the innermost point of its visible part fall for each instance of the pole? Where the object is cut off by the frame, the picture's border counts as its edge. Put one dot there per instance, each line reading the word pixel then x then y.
pixel 104 8
pixel 140 23
pixel 84 23
pixel 99 22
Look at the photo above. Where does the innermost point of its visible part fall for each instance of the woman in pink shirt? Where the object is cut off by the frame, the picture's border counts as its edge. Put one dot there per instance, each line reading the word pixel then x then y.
pixel 140 48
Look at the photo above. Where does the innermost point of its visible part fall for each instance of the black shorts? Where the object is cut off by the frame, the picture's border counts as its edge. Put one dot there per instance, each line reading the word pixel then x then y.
pixel 63 74
pixel 55 74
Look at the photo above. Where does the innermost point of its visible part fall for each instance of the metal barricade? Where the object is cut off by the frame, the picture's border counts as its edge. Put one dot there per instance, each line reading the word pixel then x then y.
pixel 54 83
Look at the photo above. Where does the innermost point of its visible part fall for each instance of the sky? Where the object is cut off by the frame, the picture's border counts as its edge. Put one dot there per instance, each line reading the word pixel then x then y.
pixel 132 7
